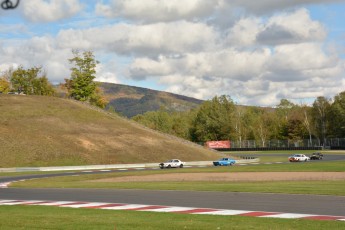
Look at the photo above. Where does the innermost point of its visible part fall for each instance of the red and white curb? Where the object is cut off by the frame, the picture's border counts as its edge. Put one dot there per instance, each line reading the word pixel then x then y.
pixel 172 209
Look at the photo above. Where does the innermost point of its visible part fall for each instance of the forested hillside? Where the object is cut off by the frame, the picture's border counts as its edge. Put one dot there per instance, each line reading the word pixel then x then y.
pixel 130 100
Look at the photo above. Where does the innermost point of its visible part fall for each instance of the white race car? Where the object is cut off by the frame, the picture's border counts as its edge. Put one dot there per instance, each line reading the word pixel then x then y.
pixel 298 157
pixel 174 163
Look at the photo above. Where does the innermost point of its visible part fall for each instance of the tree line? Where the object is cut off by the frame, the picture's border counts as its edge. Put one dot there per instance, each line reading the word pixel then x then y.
pixel 221 119
pixel 80 86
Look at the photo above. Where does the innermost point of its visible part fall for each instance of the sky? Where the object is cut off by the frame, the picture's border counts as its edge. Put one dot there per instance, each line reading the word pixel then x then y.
pixel 257 52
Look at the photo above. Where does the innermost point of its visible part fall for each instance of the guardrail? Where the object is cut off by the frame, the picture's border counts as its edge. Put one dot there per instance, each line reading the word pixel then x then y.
pixel 113 166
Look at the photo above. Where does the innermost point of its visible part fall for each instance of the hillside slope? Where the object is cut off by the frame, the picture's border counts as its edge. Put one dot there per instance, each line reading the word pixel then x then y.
pixel 50 131
pixel 130 100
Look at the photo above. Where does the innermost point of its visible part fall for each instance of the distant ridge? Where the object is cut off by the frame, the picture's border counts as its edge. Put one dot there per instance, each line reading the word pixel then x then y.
pixel 131 100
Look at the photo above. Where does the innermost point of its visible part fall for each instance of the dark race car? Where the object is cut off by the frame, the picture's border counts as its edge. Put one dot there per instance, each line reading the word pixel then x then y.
pixel 316 156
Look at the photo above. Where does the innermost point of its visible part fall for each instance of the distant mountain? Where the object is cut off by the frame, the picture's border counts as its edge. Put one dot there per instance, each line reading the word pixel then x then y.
pixel 131 100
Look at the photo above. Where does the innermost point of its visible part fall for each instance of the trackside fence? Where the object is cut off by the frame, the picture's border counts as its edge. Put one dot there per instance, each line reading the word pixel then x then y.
pixel 307 144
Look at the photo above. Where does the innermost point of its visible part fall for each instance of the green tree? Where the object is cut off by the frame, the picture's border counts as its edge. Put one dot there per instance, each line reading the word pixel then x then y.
pixel 41 86
pixel 213 121
pixel 306 110
pixel 20 80
pixel 337 113
pixel 285 107
pixel 159 120
pixel 239 124
pixel 283 111
pixel 81 85
pixel 32 81
pixel 320 111
pixel 262 126
pixel 181 124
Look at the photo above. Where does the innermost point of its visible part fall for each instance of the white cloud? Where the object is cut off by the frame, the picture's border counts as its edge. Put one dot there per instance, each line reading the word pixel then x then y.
pixel 257 77
pixel 157 10
pixel 230 63
pixel 300 59
pixel 269 6
pixel 292 27
pixel 39 52
pixel 51 10
pixel 286 28
pixel 105 74
pixel 171 10
pixel 244 32
pixel 149 40
pixel 192 86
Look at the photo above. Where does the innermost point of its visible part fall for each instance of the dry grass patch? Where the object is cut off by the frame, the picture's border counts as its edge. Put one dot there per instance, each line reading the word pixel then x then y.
pixel 231 176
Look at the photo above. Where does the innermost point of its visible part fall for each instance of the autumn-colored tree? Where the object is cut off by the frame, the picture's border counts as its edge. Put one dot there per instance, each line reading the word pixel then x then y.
pixel 5 80
pixel 4 85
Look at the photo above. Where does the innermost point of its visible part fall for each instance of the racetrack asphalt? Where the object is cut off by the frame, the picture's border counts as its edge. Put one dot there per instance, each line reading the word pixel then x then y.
pixel 286 203
pixel 256 202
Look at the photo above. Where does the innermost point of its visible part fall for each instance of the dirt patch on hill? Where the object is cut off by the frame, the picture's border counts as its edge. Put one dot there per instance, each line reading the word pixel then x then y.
pixel 231 176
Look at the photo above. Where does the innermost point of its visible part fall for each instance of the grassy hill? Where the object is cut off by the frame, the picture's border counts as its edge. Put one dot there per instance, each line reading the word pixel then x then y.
pixel 130 100
pixel 50 131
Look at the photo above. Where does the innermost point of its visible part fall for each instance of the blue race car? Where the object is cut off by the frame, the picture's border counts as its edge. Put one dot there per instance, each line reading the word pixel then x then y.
pixel 224 162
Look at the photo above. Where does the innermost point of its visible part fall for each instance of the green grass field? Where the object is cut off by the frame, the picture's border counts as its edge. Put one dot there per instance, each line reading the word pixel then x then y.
pixel 38 217
pixel 327 187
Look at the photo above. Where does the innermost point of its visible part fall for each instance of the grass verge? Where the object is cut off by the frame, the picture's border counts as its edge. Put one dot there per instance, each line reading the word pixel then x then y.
pixel 38 217
pixel 336 188
pixel 324 187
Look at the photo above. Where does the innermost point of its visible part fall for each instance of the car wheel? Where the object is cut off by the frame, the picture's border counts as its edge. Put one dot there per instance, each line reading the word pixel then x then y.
pixel 305 159
pixel 169 166
pixel 181 165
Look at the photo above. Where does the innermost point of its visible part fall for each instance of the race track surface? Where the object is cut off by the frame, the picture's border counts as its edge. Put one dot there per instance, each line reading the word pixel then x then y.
pixel 255 202
pixel 307 204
